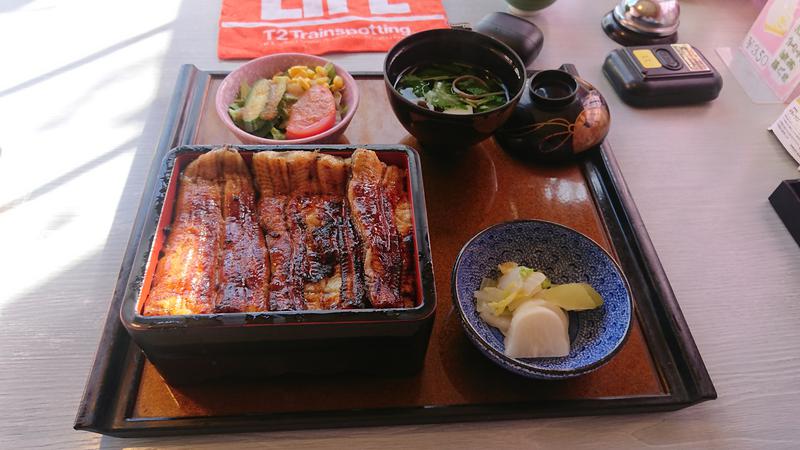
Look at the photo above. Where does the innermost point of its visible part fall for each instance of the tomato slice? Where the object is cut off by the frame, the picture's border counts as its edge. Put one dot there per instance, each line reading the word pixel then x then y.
pixel 312 114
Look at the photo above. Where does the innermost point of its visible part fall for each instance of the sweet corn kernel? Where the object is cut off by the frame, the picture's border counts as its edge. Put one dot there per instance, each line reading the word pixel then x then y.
pixel 321 80
pixel 338 83
pixel 297 71
pixel 305 84
pixel 294 88
pixel 320 70
pixel 310 73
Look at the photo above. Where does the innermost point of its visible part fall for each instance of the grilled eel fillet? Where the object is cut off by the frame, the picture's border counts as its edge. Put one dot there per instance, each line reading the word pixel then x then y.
pixel 271 174
pixel 394 184
pixel 214 256
pixel 374 219
pixel 336 234
pixel 244 277
pixel 314 258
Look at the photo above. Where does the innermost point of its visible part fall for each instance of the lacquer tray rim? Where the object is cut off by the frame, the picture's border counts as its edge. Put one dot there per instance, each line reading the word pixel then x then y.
pixel 107 401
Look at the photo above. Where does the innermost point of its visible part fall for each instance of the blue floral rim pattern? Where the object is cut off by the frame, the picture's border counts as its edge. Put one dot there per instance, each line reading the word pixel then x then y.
pixel 565 256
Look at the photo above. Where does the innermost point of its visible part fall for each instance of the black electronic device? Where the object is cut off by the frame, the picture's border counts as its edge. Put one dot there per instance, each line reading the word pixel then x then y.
pixel 659 75
pixel 786 202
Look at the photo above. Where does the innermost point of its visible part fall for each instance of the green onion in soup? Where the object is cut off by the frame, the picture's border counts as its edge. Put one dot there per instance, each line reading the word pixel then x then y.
pixel 453 88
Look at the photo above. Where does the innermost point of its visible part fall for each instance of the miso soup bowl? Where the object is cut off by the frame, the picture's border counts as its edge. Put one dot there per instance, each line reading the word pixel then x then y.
pixel 438 130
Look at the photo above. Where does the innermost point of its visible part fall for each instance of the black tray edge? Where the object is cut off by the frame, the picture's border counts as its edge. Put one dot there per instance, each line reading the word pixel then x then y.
pixel 695 381
pixel 696 376
pixel 97 398
pixel 389 416
pixel 99 395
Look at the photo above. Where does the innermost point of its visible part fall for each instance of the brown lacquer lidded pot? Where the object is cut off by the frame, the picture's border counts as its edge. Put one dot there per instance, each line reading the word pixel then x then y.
pixel 558 116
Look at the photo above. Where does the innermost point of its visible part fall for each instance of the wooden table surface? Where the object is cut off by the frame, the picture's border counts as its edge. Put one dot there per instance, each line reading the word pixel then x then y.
pixel 83 95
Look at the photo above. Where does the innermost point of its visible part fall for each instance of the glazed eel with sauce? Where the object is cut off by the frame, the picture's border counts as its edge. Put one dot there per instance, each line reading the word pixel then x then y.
pixel 334 238
pixel 214 255
pixel 338 236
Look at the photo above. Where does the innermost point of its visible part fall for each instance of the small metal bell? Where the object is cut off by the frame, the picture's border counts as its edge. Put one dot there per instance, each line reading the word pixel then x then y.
pixel 643 22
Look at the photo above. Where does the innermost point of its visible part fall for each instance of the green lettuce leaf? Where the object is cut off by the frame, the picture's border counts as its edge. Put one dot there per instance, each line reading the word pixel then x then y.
pixel 442 97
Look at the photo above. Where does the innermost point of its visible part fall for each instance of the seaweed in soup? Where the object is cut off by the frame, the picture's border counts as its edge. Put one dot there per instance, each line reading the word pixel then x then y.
pixel 454 88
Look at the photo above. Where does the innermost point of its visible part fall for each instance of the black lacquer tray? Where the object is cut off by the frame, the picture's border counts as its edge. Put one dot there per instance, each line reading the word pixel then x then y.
pixel 659 369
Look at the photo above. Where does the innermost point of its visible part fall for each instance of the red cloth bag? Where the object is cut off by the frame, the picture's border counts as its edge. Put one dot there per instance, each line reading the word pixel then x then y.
pixel 252 28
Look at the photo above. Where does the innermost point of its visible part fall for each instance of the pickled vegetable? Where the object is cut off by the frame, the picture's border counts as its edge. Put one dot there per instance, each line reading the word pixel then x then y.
pixel 530 311
pixel 537 329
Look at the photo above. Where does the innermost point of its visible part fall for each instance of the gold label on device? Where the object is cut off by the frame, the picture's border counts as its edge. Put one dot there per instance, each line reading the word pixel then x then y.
pixel 646 58
pixel 691 59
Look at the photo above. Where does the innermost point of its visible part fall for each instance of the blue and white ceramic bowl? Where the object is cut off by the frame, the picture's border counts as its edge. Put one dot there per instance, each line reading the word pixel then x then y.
pixel 565 256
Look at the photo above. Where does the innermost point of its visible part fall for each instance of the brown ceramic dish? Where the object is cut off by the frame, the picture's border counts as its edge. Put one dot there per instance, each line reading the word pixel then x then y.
pixel 198 347
pixel 442 130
